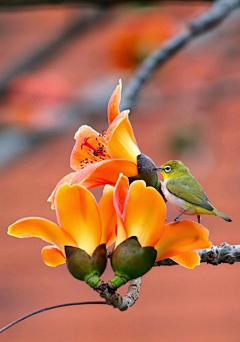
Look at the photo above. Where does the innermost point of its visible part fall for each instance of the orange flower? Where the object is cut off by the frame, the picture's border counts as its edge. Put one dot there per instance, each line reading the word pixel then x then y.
pixel 141 212
pixel 118 142
pixel 82 223
pixel 99 158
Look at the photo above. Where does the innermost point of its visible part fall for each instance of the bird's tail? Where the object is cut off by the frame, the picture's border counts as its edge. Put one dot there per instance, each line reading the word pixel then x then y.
pixel 220 214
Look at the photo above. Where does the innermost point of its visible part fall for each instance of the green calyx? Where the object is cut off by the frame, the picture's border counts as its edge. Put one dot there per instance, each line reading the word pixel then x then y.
pixel 86 268
pixel 130 261
pixel 145 171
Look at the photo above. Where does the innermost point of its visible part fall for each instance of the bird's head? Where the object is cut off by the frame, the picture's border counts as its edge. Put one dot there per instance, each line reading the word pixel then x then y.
pixel 172 169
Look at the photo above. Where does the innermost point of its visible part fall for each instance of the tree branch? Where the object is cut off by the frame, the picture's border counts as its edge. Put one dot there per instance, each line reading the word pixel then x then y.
pixel 216 255
pixel 217 13
pixel 78 25
pixel 20 3
pixel 107 291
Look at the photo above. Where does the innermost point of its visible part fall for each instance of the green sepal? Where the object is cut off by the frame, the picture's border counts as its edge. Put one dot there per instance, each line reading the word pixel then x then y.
pixel 86 268
pixel 145 167
pixel 130 261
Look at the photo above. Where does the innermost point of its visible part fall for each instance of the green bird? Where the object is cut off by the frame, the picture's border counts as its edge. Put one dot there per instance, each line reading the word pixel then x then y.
pixel 182 190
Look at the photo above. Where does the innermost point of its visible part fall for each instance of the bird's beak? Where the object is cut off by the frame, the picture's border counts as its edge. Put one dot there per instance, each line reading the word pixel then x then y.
pixel 158 168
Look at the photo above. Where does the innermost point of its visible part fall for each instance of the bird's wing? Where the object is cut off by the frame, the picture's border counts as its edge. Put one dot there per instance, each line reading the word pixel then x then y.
pixel 190 191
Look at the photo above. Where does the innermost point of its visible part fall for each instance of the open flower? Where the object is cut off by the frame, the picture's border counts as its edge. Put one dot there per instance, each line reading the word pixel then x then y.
pixel 98 158
pixel 84 225
pixel 118 142
pixel 141 213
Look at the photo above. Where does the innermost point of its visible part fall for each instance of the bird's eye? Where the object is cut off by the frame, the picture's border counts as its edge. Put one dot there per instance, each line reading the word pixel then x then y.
pixel 167 168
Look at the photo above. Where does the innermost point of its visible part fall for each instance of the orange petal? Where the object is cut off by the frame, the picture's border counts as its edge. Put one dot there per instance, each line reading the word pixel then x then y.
pixel 41 228
pixel 188 259
pixel 108 216
pixel 120 139
pixel 145 213
pixel 105 172
pixel 66 179
pixel 77 213
pixel 52 256
pixel 120 195
pixel 180 237
pixel 81 151
pixel 113 104
pixel 119 200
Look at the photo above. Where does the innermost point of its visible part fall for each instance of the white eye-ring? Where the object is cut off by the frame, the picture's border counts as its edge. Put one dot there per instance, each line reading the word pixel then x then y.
pixel 167 168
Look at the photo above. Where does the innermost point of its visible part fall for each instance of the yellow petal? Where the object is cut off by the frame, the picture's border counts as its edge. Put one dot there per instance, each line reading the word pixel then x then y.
pixel 82 154
pixel 66 179
pixel 108 216
pixel 121 232
pixel 41 228
pixel 188 259
pixel 120 139
pixel 145 213
pixel 105 172
pixel 52 256
pixel 180 237
pixel 113 104
pixel 77 213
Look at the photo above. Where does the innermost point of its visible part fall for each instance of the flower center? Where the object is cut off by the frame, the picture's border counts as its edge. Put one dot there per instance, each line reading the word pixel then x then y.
pixel 96 151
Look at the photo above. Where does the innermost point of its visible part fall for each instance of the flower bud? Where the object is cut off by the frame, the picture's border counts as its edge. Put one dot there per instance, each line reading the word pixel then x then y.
pixel 84 267
pixel 130 261
pixel 146 171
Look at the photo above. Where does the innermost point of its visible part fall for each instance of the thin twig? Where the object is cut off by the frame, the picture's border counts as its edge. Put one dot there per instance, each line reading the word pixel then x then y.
pixel 216 14
pixel 49 308
pixel 216 255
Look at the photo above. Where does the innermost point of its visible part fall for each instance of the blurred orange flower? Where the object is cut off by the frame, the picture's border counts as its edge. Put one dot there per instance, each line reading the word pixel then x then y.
pixel 99 158
pixel 82 223
pixel 141 212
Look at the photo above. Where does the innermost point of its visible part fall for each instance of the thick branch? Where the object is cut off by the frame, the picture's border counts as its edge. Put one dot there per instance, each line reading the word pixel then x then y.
pixel 216 255
pixel 78 25
pixel 107 291
pixel 19 3
pixel 217 13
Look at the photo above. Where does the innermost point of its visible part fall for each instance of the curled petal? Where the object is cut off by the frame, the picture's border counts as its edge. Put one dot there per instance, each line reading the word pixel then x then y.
pixel 188 259
pixel 66 179
pixel 52 256
pixel 121 142
pixel 119 200
pixel 105 172
pixel 41 228
pixel 113 104
pixel 108 216
pixel 178 237
pixel 77 213
pixel 145 213
pixel 120 195
pixel 86 136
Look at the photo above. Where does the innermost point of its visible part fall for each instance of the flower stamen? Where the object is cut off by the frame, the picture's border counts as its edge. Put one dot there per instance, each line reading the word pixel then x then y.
pixel 97 151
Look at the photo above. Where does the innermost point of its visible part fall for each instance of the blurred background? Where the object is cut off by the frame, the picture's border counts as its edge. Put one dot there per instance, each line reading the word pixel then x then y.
pixel 58 67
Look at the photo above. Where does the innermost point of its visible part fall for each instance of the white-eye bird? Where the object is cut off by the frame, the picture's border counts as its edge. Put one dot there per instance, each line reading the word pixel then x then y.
pixel 182 190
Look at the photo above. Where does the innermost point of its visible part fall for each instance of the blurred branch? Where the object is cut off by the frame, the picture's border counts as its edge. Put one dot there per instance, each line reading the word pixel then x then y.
pixel 216 14
pixel 77 26
pixel 216 255
pixel 19 3
pixel 107 291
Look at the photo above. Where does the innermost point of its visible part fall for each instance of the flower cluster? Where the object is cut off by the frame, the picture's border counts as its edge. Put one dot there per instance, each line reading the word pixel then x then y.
pixel 131 213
